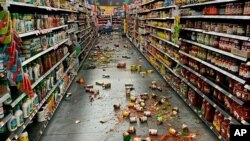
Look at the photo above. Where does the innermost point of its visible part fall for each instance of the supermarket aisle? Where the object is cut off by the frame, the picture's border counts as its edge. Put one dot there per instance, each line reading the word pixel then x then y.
pixel 97 119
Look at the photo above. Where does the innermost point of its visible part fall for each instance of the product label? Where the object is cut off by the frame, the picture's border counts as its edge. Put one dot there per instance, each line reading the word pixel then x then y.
pixel 13 124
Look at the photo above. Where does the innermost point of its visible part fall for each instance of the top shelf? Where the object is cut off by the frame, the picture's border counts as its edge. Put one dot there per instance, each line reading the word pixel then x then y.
pixel 146 3
pixel 207 3
pixel 12 3
pixel 218 17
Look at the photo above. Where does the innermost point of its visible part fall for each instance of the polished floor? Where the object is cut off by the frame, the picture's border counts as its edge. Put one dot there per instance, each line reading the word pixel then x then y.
pixel 63 126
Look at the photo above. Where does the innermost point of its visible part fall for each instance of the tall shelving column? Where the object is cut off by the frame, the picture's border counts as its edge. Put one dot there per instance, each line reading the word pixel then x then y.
pixel 48 43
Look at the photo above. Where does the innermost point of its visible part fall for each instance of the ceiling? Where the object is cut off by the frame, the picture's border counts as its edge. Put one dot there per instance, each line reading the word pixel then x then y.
pixel 110 2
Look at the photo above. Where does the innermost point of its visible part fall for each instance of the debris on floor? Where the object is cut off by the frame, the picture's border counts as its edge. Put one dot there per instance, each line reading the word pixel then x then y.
pixel 81 80
pixel 77 121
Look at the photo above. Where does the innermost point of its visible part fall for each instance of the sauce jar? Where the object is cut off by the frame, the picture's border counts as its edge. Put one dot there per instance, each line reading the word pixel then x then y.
pixel 209 114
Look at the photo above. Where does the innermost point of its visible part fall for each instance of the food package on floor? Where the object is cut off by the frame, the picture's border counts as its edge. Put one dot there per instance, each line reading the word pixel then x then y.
pixel 132 119
pixel 106 85
pixel 144 96
pixel 139 68
pixel 149 71
pixel 172 131
pixel 143 119
pixel 142 73
pixel 121 65
pixel 147 113
pixel 105 76
pixel 125 114
pixel 129 85
pixel 139 109
pixel 81 80
pixel 117 106
pixel 89 86
pixel 131 130
pixel 152 132
pixel 126 136
pixel 154 96
pixel 131 105
pixel 132 98
pixel 99 83
pixel 128 92
pixel 133 67
pixel 185 128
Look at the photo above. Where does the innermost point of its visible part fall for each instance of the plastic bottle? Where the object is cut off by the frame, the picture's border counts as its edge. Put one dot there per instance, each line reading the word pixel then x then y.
pixel 1 111
pixel 30 103
pixel 12 123
pixel 25 108
pixel 19 116
pixel 35 100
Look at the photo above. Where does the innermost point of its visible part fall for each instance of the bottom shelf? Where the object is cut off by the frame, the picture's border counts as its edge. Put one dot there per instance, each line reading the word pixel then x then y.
pixel 194 109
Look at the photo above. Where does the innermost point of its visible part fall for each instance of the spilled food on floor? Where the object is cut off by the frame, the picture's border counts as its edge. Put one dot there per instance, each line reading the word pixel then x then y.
pixel 120 97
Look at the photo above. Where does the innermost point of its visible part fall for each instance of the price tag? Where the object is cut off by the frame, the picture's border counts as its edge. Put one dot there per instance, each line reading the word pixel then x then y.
pixel 230 96
pixel 211 127
pixel 200 116
pixel 214 105
pixel 16 136
pixel 30 118
pixel 230 118
pixel 41 132
pixel 23 126
pixel 195 110
pixel 243 122
pixel 219 137
pixel 203 96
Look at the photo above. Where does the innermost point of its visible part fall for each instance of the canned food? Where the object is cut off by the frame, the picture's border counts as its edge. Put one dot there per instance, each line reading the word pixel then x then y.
pixel 172 131
pixel 125 114
pixel 139 109
pixel 132 119
pixel 106 76
pixel 89 86
pixel 131 105
pixel 132 98
pixel 139 68
pixel 143 73
pixel 142 104
pixel 106 85
pixel 149 71
pixel 152 131
pixel 131 130
pixel 143 119
pixel 147 113
pixel 117 106
pixel 133 68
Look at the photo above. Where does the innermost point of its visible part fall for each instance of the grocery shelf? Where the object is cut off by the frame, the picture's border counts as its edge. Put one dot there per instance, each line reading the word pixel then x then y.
pixel 71 31
pixel 143 12
pixel 229 17
pixel 166 18
pixel 85 56
pixel 225 114
pixel 21 4
pixel 49 71
pixel 4 97
pixel 207 3
pixel 43 52
pixel 16 101
pixel 215 50
pixel 164 28
pixel 164 8
pixel 198 113
pixel 5 120
pixel 83 49
pixel 84 40
pixel 165 54
pixel 244 38
pixel 242 81
pixel 166 66
pixel 169 42
pixel 42 31
pixel 234 98
pixel 19 131
pixel 146 3
pixel 73 21
pixel 208 124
